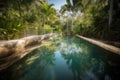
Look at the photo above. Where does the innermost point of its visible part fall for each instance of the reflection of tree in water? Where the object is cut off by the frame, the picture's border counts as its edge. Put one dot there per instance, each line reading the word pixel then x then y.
pixel 33 64
pixel 83 65
pixel 72 60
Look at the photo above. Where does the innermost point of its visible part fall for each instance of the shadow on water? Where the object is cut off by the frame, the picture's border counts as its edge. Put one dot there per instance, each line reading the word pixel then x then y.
pixel 66 59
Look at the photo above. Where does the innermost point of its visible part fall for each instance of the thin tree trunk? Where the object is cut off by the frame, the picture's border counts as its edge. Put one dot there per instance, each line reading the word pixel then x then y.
pixel 110 13
pixel 43 24
pixel 19 7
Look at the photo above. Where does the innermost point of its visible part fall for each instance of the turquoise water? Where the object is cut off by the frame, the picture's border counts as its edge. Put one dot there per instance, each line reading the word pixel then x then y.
pixel 66 59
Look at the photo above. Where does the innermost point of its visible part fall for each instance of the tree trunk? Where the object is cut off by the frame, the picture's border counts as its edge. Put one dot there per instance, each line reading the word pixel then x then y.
pixel 110 13
pixel 19 7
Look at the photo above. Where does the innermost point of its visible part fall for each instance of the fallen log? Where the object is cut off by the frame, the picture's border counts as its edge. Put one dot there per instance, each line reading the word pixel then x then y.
pixel 13 50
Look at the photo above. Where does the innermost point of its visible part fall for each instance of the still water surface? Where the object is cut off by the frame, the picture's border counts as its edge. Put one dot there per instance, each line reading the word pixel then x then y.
pixel 66 59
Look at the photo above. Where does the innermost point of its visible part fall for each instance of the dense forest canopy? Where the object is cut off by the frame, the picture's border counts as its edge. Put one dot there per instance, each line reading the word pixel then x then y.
pixel 26 17
pixel 97 18
pixel 92 18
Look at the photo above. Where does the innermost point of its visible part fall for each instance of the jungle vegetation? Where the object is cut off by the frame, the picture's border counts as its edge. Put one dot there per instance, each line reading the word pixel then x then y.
pixel 91 18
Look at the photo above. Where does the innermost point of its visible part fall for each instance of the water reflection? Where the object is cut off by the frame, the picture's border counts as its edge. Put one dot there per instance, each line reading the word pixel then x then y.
pixel 81 61
pixel 33 65
pixel 66 59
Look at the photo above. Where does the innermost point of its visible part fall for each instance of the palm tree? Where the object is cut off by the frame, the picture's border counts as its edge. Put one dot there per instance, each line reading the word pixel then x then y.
pixel 46 11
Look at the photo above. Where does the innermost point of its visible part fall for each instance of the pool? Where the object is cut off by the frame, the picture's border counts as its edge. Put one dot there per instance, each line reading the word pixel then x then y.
pixel 68 58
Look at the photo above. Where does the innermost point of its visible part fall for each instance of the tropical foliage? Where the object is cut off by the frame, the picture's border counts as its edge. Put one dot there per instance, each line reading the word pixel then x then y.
pixel 92 18
pixel 19 18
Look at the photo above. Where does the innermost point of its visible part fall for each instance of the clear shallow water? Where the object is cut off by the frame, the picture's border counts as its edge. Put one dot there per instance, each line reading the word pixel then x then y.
pixel 66 59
